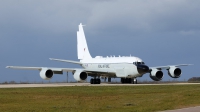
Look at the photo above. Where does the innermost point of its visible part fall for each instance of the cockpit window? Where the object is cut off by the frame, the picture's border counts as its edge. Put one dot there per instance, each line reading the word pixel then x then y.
pixel 138 63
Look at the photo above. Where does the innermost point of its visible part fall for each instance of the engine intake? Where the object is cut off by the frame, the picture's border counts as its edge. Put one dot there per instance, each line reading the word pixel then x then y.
pixel 79 75
pixel 46 74
pixel 174 72
pixel 156 75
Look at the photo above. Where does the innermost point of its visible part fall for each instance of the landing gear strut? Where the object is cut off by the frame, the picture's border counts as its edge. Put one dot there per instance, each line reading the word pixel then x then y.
pixel 95 81
pixel 109 79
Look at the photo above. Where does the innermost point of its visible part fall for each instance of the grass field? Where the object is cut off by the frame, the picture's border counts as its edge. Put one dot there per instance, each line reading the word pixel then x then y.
pixel 100 98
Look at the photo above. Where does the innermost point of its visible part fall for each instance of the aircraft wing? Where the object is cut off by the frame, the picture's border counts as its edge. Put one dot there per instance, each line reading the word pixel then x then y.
pixel 105 71
pixel 168 66
pixel 24 68
pixel 40 68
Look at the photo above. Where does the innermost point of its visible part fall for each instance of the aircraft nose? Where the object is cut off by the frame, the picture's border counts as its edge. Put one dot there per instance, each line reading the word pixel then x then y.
pixel 142 69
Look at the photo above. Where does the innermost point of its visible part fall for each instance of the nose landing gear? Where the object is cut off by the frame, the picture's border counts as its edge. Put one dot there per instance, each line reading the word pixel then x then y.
pixel 134 81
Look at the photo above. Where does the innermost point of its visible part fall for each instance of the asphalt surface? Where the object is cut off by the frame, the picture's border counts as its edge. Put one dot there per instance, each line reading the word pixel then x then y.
pixel 83 84
pixel 191 109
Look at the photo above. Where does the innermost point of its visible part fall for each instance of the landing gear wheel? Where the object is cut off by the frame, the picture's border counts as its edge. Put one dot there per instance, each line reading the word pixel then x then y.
pixel 129 80
pixel 98 81
pixel 126 80
pixel 134 81
pixel 91 81
pixel 109 79
pixel 122 80
pixel 95 81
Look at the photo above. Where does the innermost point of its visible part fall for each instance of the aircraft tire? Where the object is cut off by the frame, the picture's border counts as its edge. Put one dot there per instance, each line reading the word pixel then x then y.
pixel 96 81
pixel 129 80
pixel 92 81
pixel 109 79
pixel 122 80
pixel 134 81
pixel 126 80
pixel 99 81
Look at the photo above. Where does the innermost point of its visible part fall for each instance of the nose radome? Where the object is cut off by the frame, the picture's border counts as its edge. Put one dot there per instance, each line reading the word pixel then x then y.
pixel 142 69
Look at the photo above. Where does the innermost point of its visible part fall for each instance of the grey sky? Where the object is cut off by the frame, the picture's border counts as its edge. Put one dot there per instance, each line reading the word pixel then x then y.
pixel 161 32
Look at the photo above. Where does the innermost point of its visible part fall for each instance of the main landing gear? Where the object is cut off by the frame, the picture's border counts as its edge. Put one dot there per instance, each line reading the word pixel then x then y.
pixel 134 81
pixel 109 79
pixel 95 81
pixel 129 80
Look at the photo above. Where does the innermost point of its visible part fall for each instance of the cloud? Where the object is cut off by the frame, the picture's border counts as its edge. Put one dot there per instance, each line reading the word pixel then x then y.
pixel 134 16
pixel 32 31
pixel 146 16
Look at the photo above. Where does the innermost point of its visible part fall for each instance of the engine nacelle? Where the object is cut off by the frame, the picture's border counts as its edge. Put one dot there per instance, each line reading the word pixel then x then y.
pixel 46 74
pixel 174 72
pixel 156 75
pixel 79 75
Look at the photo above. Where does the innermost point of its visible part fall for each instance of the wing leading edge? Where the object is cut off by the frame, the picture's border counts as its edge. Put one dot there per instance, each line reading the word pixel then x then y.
pixel 168 66
pixel 107 71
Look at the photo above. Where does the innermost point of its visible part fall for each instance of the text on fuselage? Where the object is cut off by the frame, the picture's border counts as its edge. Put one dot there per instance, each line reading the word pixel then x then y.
pixel 103 66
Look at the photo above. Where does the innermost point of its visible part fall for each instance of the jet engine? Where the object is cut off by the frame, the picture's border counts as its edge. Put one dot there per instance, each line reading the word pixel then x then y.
pixel 156 75
pixel 174 72
pixel 46 74
pixel 79 75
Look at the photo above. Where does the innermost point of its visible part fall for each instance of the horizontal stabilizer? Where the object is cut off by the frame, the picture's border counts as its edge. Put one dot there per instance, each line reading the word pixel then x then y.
pixel 68 61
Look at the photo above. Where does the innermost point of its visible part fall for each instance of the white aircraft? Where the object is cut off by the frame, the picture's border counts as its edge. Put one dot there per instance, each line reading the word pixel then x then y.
pixel 128 68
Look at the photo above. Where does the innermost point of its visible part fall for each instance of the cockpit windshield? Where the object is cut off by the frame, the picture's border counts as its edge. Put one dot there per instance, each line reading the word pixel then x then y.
pixel 138 63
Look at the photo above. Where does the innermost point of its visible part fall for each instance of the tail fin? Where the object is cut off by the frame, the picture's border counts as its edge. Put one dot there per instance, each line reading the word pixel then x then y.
pixel 82 48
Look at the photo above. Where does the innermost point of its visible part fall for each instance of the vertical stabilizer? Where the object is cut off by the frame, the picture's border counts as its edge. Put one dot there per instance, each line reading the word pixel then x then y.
pixel 82 48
